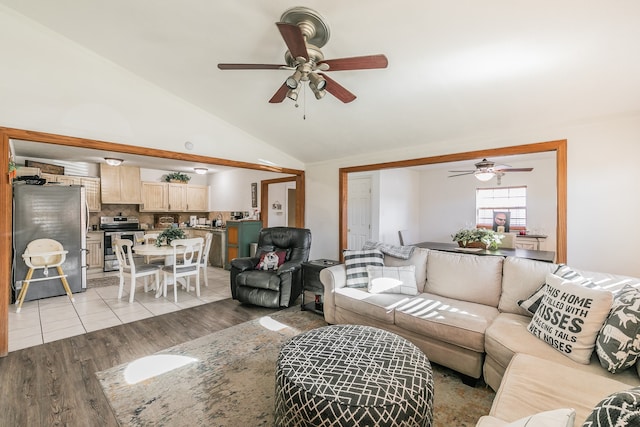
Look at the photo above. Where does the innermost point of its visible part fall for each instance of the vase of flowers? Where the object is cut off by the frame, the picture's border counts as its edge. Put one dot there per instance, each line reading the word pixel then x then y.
pixel 477 237
pixel 169 234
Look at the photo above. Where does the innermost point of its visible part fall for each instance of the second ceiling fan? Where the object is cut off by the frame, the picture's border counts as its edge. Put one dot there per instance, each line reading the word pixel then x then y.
pixel 305 32
pixel 486 169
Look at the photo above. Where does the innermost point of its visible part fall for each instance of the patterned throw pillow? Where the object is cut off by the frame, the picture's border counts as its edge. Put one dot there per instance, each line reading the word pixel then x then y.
pixel 570 316
pixel 392 280
pixel 556 418
pixel 618 344
pixel 356 263
pixel 620 409
pixel 531 304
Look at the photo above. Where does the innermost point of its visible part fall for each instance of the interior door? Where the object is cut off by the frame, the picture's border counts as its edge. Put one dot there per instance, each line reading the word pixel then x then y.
pixel 359 212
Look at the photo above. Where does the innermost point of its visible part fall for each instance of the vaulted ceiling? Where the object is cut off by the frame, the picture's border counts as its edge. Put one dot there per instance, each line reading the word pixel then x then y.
pixel 456 69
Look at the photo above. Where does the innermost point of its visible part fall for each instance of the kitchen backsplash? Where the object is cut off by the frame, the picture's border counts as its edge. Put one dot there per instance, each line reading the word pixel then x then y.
pixel 147 219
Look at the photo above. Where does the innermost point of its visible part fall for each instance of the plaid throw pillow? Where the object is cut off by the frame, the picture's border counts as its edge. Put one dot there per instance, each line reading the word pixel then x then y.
pixel 356 263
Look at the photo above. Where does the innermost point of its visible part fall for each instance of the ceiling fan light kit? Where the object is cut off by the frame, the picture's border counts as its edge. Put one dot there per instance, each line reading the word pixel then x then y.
pixel 486 169
pixel 304 32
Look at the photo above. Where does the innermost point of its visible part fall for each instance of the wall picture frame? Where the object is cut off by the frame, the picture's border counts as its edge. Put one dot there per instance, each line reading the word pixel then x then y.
pixel 254 194
pixel 501 221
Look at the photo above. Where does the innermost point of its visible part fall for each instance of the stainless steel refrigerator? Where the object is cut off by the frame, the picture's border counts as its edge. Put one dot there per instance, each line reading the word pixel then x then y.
pixel 57 212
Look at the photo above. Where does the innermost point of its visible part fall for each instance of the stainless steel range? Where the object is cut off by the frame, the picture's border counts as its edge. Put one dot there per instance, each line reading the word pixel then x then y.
pixel 119 227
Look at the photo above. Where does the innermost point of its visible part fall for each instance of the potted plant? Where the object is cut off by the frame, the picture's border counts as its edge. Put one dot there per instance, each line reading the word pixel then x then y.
pixel 169 234
pixel 477 237
pixel 177 177
pixel 13 170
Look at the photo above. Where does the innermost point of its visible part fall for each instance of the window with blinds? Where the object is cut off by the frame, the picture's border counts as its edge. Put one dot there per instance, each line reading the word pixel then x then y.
pixel 505 199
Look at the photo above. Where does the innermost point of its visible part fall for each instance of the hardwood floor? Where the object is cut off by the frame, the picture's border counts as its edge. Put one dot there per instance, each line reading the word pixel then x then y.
pixel 54 384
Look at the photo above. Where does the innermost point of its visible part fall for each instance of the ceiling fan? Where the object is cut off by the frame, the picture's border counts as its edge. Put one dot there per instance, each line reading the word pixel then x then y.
pixel 486 169
pixel 305 32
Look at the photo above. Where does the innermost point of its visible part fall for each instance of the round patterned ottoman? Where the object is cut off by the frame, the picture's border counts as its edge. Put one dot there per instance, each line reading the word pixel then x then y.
pixel 351 375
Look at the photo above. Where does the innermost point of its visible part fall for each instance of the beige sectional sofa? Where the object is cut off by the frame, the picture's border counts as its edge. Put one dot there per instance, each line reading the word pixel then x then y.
pixel 466 316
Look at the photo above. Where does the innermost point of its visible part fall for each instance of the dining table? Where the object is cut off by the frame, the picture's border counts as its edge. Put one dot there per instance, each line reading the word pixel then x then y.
pixel 545 256
pixel 153 250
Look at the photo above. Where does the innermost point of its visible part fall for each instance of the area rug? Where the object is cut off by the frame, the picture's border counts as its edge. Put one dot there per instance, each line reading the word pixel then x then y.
pixel 100 282
pixel 227 379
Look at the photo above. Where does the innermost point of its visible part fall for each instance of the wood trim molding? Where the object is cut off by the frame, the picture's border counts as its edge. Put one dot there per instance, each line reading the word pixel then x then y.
pixel 559 146
pixel 6 195
pixel 300 196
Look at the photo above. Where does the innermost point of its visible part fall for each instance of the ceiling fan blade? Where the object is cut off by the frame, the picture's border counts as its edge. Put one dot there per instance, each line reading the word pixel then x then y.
pixel 465 171
pixel 252 67
pixel 357 63
pixel 515 170
pixel 280 94
pixel 294 39
pixel 460 174
pixel 337 90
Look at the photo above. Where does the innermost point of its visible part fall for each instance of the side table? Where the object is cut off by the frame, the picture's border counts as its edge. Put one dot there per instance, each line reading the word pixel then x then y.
pixel 311 282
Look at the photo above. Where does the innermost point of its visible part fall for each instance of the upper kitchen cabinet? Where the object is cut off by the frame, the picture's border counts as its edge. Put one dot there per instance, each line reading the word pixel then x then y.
pixel 177 197
pixel 120 184
pixel 154 197
pixel 172 197
pixel 197 198
pixel 90 183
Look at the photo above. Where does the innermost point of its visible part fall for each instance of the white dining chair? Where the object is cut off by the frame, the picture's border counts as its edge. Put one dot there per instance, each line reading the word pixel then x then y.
pixel 128 268
pixel 187 254
pixel 43 254
pixel 204 261
pixel 508 240
pixel 150 239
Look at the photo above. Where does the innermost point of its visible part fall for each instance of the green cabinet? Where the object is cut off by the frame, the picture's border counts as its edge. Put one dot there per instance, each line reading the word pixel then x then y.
pixel 240 235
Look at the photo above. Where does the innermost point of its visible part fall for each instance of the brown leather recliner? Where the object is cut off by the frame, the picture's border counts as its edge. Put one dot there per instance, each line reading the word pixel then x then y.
pixel 272 288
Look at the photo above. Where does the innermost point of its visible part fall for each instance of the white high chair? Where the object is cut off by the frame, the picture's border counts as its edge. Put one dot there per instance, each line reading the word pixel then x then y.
pixel 45 254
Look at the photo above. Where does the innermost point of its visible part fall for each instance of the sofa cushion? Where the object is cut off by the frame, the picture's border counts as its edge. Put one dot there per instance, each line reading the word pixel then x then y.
pixel 507 336
pixel 452 321
pixel 570 317
pixel 618 343
pixel 356 263
pixel 564 417
pixel 419 259
pixel 618 409
pixel 521 277
pixel 392 280
pixel 376 306
pixel 532 385
pixel 465 277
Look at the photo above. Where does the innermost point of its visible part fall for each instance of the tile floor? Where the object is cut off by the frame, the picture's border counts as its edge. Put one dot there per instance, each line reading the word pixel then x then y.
pixel 55 318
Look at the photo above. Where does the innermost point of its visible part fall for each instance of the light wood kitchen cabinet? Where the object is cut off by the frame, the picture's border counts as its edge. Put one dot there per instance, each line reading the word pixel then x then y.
pixel 197 198
pixel 173 197
pixel 90 183
pixel 92 186
pixel 95 251
pixel 154 197
pixel 177 197
pixel 120 184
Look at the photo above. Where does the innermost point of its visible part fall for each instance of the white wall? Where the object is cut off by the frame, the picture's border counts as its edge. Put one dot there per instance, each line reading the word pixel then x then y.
pixel 231 190
pixel 51 85
pixel 603 174
pixel 398 204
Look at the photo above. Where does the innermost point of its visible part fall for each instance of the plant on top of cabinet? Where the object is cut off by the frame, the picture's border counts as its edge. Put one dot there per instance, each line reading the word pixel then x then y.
pixel 177 177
